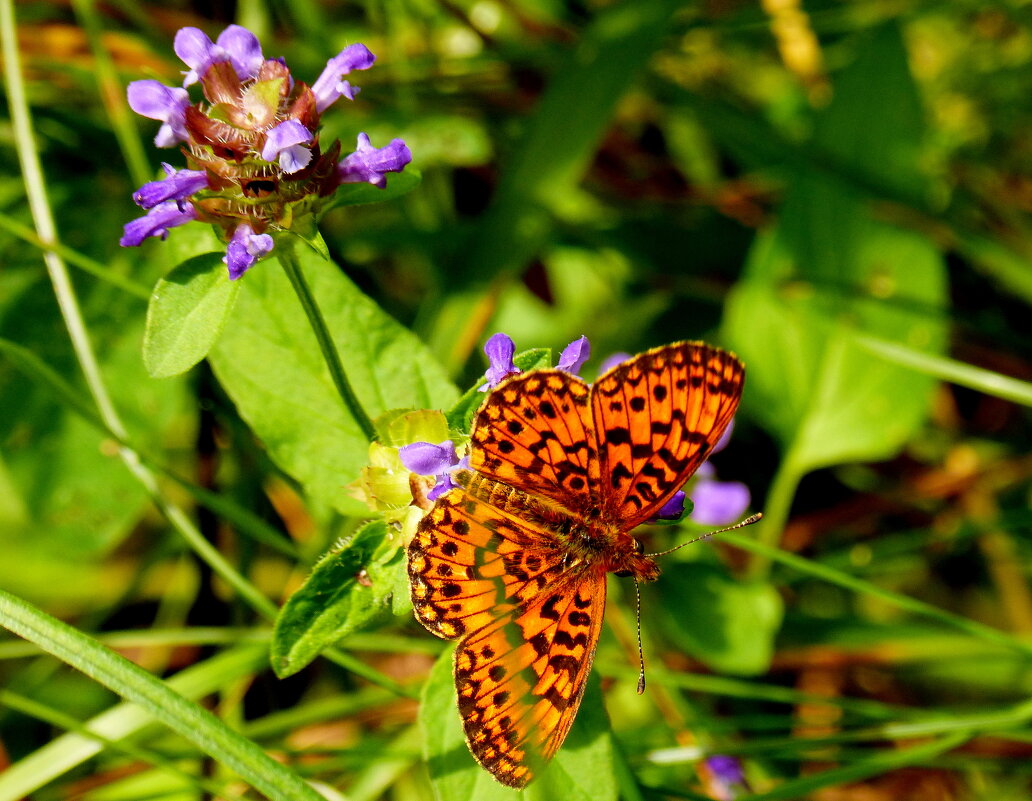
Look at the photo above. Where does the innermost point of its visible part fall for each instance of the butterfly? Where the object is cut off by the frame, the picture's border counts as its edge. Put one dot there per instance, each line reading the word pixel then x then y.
pixel 513 562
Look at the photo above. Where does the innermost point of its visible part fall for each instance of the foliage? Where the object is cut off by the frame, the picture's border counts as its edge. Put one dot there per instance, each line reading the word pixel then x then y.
pixel 839 193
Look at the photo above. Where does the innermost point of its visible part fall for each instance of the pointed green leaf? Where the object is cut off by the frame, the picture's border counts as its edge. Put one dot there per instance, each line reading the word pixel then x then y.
pixel 270 364
pixel 187 312
pixel 833 264
pixel 348 588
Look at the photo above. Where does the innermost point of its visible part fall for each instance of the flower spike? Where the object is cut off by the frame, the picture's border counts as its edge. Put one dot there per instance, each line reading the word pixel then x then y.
pixel 255 164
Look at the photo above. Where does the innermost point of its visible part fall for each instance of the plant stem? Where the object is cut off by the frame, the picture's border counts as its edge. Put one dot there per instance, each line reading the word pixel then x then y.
pixel 288 258
pixel 775 515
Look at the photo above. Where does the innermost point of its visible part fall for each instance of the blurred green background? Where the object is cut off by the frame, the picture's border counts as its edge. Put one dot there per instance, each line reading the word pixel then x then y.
pixel 838 191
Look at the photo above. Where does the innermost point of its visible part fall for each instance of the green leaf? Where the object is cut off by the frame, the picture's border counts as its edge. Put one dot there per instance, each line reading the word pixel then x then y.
pixel 832 263
pixel 123 720
pixel 736 632
pixel 583 770
pixel 398 184
pixel 192 722
pixel 269 362
pixel 460 416
pixel 187 312
pixel 350 587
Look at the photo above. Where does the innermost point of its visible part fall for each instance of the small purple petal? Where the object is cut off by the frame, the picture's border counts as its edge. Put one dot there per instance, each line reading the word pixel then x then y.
pixel 369 164
pixel 156 222
pixel 610 362
pixel 444 483
pixel 236 45
pixel 719 503
pixel 244 50
pixel 722 442
pixel 427 459
pixel 330 84
pixel 156 101
pixel 179 185
pixel 574 355
pixel 286 143
pixel 196 50
pixel 672 509
pixel 245 248
pixel 499 349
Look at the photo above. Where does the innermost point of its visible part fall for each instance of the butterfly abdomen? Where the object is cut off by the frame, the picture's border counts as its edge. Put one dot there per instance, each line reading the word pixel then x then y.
pixel 516 502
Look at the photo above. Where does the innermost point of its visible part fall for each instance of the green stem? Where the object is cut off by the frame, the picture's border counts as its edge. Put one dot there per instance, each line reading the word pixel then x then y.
pixel 842 579
pixel 288 258
pixel 775 515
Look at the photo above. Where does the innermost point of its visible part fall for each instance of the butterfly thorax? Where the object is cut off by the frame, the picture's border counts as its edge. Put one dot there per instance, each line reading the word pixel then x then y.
pixel 584 538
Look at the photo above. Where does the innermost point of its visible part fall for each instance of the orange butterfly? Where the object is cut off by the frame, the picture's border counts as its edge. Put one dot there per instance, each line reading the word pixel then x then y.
pixel 513 563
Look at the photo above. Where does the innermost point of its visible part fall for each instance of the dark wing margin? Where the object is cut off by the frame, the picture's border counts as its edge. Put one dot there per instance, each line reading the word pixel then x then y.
pixel 658 417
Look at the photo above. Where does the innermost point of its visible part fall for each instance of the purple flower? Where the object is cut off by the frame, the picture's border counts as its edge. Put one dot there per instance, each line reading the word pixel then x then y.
pixel 574 355
pixel 286 143
pixel 672 509
pixel 441 461
pixel 156 222
pixel 610 362
pixel 245 248
pixel 177 185
pixel 499 349
pixel 727 776
pixel 370 164
pixel 330 84
pixel 719 503
pixel 155 101
pixel 236 45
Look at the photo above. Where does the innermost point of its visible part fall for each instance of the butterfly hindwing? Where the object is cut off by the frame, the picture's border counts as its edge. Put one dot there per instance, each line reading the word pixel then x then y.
pixel 520 680
pixel 535 433
pixel 658 416
pixel 470 563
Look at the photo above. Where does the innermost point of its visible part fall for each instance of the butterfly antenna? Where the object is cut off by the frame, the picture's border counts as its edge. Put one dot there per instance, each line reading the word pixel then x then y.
pixel 747 522
pixel 641 652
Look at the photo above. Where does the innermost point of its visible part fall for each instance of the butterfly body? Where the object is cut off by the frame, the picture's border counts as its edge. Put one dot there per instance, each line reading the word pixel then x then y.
pixel 587 539
pixel 513 563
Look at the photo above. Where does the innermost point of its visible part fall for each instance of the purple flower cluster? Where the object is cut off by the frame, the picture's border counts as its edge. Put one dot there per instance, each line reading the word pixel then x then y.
pixel 252 145
pixel 716 503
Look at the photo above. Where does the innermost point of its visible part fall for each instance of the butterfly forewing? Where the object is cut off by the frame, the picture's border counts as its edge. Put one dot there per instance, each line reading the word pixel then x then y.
pixel 658 416
pixel 535 433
